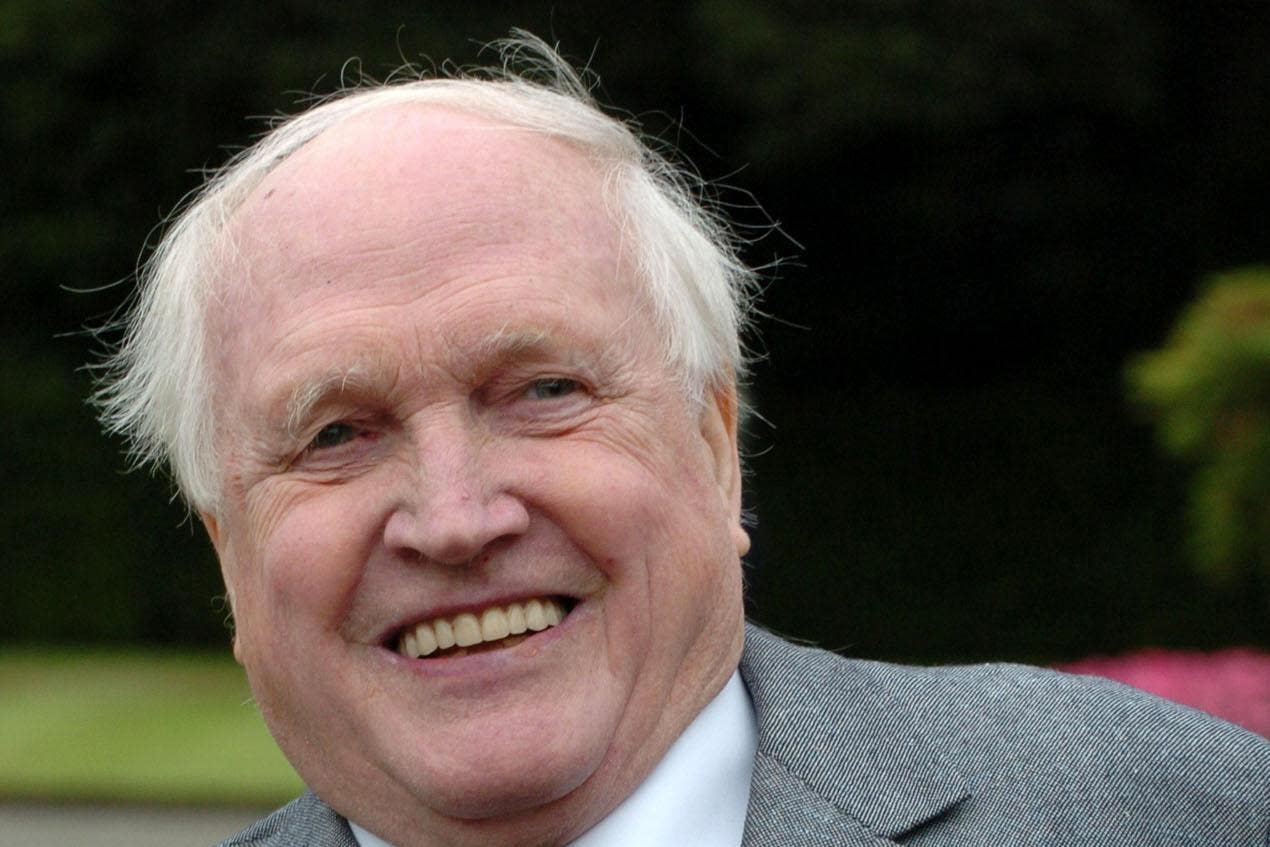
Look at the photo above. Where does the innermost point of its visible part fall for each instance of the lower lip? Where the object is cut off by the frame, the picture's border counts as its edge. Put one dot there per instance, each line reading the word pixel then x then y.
pixel 494 662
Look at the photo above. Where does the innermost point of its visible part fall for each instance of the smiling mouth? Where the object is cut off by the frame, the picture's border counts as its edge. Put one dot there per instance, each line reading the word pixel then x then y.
pixel 493 628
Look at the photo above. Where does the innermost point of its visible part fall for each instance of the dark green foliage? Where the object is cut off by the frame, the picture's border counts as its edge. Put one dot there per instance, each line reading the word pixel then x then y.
pixel 1209 387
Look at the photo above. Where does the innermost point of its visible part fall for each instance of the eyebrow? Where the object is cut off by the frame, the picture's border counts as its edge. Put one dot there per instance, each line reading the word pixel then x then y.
pixel 507 346
pixel 309 394
pixel 511 343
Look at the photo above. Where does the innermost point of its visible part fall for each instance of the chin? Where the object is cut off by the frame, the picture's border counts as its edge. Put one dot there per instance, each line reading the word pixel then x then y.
pixel 504 767
pixel 482 798
pixel 488 803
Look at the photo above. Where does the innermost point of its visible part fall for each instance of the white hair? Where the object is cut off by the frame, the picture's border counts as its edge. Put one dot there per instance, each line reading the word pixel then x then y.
pixel 157 388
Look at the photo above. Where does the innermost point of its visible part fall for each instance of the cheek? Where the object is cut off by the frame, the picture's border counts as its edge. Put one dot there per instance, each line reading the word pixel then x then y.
pixel 655 528
pixel 307 561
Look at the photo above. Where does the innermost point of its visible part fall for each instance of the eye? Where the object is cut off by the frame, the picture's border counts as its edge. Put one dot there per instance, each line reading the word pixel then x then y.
pixel 332 435
pixel 551 388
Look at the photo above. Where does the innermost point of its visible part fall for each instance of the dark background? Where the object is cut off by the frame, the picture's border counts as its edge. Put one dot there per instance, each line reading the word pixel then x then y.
pixel 995 203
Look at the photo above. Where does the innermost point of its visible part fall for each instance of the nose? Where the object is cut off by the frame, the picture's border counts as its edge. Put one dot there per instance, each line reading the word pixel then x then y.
pixel 458 503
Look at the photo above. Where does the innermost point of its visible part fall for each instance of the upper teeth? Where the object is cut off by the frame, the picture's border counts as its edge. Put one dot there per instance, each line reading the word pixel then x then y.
pixel 468 628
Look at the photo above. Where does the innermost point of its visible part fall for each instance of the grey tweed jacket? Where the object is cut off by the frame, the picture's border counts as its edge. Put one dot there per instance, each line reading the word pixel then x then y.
pixel 865 754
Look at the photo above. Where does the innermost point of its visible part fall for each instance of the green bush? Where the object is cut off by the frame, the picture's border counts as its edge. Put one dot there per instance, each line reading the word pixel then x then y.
pixel 1209 389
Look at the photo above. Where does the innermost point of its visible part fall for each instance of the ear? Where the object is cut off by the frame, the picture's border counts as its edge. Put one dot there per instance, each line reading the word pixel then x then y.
pixel 719 422
pixel 216 533
pixel 212 524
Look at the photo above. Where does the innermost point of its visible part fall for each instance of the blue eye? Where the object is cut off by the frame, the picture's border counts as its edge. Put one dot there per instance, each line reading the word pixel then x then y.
pixel 332 435
pixel 548 389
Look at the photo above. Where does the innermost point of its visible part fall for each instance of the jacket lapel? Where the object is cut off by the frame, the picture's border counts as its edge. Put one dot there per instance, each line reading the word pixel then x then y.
pixel 841 761
pixel 304 822
pixel 785 812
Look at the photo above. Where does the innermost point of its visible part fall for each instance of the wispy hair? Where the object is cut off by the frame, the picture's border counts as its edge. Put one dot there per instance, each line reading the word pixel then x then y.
pixel 156 384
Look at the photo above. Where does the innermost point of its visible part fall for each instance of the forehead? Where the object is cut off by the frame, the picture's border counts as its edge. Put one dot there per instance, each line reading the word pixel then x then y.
pixel 406 203
pixel 429 179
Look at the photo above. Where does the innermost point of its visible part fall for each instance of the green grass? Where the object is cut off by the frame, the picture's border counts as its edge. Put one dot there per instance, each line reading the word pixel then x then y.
pixel 132 726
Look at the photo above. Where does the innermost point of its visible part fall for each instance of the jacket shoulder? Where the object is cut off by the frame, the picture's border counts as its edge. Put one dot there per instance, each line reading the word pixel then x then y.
pixel 304 822
pixel 1081 724
pixel 1083 749
pixel 1051 751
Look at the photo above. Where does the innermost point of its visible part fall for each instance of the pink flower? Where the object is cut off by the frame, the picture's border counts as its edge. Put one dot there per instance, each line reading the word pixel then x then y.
pixel 1233 684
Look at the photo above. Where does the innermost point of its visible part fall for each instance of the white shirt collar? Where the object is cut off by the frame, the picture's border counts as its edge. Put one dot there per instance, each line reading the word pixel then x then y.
pixel 697 794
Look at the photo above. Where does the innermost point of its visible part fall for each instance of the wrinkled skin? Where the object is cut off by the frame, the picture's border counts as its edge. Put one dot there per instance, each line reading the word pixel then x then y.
pixel 438 387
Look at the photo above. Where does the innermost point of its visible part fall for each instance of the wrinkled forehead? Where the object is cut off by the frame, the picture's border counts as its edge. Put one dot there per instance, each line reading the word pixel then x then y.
pixel 416 177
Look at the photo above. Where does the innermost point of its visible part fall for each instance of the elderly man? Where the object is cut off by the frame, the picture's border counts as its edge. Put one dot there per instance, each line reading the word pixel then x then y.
pixel 448 369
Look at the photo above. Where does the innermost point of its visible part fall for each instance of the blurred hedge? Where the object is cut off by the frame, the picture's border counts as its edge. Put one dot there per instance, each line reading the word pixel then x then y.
pixel 1209 388
pixel 995 202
